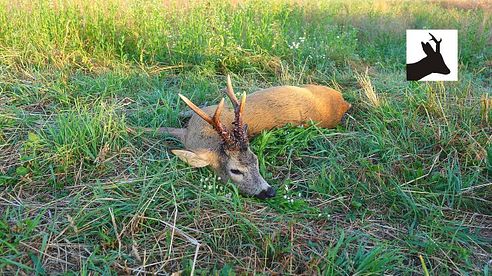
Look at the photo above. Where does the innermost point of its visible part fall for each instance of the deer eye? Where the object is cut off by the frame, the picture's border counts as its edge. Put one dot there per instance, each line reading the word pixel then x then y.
pixel 234 171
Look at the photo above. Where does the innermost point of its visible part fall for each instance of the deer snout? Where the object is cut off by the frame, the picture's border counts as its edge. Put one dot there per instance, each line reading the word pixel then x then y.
pixel 268 193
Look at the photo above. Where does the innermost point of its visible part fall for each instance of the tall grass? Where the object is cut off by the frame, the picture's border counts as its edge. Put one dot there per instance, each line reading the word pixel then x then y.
pixel 223 35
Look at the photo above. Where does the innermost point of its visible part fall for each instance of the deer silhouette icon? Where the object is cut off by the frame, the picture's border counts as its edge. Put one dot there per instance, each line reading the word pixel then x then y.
pixel 432 63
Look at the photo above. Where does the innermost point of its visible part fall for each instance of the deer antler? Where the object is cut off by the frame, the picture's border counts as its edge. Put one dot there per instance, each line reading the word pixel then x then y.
pixel 213 121
pixel 238 139
pixel 239 132
pixel 438 43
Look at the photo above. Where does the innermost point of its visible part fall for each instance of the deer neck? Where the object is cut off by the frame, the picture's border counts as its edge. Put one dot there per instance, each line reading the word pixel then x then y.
pixel 421 68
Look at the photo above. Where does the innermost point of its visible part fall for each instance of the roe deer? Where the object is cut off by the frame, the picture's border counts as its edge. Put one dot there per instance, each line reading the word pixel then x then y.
pixel 432 63
pixel 225 146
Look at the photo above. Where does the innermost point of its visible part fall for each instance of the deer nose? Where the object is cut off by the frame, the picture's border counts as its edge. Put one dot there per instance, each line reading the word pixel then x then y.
pixel 268 193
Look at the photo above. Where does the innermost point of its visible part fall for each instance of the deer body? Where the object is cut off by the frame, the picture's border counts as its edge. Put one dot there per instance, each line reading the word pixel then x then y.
pixel 224 146
pixel 271 108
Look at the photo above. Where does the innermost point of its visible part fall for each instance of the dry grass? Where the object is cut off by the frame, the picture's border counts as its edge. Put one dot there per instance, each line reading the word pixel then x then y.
pixel 368 89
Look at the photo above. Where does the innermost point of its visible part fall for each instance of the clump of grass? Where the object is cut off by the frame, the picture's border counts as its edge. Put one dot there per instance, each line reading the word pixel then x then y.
pixel 90 133
pixel 486 107
pixel 85 136
pixel 368 89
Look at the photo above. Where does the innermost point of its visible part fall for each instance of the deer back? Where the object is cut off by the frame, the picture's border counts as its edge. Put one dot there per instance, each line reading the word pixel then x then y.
pixel 271 108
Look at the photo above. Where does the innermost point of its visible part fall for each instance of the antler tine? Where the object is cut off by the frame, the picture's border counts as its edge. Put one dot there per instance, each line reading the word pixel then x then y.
pixel 197 110
pixel 240 130
pixel 219 108
pixel 435 40
pixel 437 43
pixel 241 105
pixel 218 111
pixel 230 92
pixel 218 126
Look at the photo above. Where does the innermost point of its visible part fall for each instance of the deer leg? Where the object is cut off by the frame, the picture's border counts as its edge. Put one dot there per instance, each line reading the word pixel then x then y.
pixel 179 133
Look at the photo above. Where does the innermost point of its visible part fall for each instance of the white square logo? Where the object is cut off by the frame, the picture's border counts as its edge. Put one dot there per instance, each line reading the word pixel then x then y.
pixel 432 55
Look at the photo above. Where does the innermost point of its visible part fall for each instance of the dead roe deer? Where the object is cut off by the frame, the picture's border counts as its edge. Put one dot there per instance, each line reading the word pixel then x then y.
pixel 218 136
pixel 432 63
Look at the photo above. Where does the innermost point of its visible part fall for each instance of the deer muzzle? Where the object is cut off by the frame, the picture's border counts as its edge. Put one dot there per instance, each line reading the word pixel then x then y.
pixel 268 193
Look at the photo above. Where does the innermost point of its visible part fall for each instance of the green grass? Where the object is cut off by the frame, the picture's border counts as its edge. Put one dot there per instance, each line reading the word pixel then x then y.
pixel 403 177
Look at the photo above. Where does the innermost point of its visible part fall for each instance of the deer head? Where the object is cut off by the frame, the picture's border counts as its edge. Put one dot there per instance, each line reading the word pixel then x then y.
pixel 435 57
pixel 233 159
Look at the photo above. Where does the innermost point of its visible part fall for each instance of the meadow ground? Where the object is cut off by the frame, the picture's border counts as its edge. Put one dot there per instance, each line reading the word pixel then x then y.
pixel 402 186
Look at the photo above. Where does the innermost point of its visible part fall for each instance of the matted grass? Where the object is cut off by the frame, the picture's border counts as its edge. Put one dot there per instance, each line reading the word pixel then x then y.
pixel 402 186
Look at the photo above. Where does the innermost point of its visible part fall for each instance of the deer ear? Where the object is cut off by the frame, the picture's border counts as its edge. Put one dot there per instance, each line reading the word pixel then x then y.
pixel 193 159
pixel 427 48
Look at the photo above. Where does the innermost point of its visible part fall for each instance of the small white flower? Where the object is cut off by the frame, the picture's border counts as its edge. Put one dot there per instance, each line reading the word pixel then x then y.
pixel 219 178
pixel 206 179
pixel 319 215
pixel 294 45
pixel 286 188
pixel 201 179
pixel 285 196
pixel 210 187
pixel 299 194
pixel 291 201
